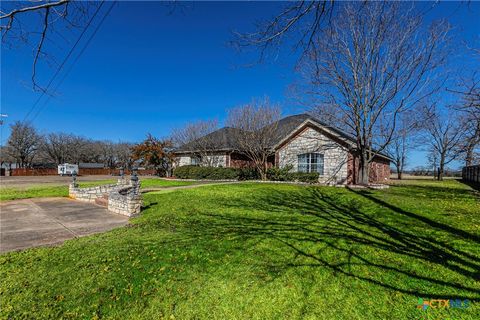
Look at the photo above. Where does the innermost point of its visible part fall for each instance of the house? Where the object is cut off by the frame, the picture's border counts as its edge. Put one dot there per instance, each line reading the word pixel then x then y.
pixel 302 142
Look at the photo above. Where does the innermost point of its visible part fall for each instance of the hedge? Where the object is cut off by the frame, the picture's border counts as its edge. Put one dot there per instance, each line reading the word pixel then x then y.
pixel 309 177
pixel 209 173
pixel 220 173
pixel 284 174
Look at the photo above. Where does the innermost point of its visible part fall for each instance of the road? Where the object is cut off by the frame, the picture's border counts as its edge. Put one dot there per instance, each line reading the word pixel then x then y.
pixel 30 181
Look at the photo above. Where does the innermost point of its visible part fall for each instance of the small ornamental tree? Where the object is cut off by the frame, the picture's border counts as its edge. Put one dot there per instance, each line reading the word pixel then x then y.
pixel 155 153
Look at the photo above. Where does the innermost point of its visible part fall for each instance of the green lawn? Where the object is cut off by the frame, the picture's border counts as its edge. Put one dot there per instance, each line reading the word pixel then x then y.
pixel 155 182
pixel 62 191
pixel 263 251
pixel 32 192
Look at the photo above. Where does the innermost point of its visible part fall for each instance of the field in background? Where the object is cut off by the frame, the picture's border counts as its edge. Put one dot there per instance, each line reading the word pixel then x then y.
pixel 412 177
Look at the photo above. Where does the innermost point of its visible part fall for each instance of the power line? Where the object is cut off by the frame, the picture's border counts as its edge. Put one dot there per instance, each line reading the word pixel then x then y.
pixel 76 59
pixel 63 62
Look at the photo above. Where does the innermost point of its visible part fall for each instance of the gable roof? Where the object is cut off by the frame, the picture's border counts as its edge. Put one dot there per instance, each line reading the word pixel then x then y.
pixel 287 125
pixel 224 139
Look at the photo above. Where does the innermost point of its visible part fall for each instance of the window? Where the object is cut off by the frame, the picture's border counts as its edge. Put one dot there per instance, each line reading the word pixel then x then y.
pixel 310 162
pixel 195 160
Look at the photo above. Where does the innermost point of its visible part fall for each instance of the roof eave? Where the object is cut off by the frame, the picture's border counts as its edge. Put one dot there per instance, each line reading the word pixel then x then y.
pixel 349 142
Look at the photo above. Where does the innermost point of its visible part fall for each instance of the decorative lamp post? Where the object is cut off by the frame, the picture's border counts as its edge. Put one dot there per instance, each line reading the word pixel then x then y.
pixel 134 178
pixel 74 179
pixel 121 180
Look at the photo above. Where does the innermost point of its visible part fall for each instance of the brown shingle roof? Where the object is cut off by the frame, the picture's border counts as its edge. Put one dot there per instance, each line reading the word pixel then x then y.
pixel 224 138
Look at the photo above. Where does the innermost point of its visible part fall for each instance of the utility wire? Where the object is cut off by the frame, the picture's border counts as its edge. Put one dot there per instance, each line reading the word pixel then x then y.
pixel 63 63
pixel 76 59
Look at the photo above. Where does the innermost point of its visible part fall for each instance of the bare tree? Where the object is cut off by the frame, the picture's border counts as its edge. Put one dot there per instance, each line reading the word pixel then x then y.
pixel 79 149
pixel 23 143
pixel 365 61
pixel 123 154
pixel 442 135
pixel 469 147
pixel 56 147
pixel 402 141
pixel 373 63
pixel 257 127
pixel 107 151
pixel 469 106
pixel 65 147
pixel 196 136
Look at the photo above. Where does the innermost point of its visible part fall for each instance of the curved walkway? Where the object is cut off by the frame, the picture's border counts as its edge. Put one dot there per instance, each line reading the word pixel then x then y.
pixel 47 221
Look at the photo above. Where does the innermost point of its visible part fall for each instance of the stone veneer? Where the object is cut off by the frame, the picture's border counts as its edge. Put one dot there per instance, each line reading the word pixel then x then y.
pixel 126 201
pixel 313 141
pixel 215 160
pixel 123 197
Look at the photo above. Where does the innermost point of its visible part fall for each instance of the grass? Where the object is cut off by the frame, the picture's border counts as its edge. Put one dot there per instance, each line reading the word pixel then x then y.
pixel 158 183
pixel 263 251
pixel 62 191
pixel 32 192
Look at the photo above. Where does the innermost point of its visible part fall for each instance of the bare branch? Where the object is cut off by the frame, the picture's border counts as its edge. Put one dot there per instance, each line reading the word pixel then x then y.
pixel 39 48
pixel 47 5
pixel 256 125
pixel 56 18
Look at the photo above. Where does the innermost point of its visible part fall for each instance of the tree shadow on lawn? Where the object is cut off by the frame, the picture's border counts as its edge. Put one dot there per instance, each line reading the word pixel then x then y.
pixel 361 237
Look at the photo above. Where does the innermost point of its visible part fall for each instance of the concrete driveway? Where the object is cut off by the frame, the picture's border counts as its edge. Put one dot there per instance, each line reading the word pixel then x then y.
pixel 35 181
pixel 46 221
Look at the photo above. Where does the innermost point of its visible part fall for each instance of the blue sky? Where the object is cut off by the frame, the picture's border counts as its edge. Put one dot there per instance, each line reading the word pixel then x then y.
pixel 150 71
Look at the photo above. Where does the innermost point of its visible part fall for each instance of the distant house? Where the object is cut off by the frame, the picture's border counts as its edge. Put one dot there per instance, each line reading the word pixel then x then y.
pixel 302 142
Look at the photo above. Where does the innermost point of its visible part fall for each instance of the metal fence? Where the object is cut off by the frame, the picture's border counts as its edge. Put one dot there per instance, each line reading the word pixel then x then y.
pixel 471 173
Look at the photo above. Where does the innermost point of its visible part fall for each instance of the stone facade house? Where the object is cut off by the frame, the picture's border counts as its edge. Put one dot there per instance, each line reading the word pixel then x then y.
pixel 302 142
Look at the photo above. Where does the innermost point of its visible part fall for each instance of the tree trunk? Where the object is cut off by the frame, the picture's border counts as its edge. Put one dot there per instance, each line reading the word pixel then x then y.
pixel 399 167
pixel 263 175
pixel 441 168
pixel 363 170
pixel 469 155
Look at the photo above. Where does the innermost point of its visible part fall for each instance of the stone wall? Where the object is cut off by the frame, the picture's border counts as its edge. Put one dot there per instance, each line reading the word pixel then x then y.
pixel 215 160
pixel 183 161
pixel 124 197
pixel 91 193
pixel 126 201
pixel 313 141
